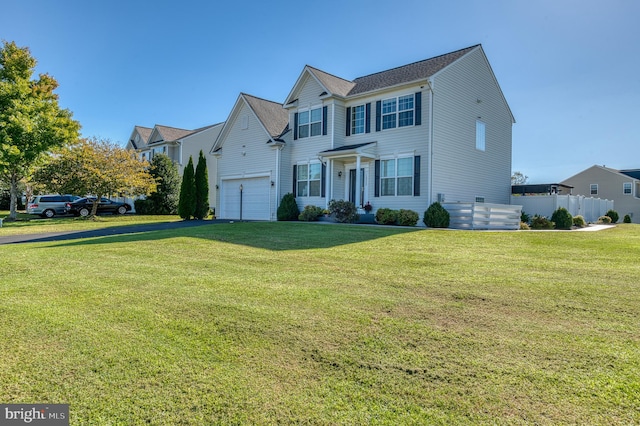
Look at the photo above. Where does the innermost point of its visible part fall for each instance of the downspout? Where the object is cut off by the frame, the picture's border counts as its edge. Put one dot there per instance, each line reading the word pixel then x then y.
pixel 430 145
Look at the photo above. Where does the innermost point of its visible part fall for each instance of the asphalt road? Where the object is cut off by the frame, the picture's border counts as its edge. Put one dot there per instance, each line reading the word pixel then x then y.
pixel 104 232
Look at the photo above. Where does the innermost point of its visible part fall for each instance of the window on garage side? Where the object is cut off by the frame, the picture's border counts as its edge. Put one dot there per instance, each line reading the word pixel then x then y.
pixel 626 188
pixel 309 180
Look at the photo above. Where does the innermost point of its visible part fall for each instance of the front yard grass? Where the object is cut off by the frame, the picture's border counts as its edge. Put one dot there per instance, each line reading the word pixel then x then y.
pixel 265 323
pixel 34 224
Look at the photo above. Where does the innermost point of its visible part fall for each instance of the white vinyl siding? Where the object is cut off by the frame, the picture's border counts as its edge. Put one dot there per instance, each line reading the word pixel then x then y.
pixel 466 91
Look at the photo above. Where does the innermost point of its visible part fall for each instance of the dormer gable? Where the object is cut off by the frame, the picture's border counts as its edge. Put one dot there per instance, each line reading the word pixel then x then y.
pixel 328 86
pixel 139 137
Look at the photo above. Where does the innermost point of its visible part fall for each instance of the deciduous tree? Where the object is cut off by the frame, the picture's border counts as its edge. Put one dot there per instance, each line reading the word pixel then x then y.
pixel 31 121
pixel 97 167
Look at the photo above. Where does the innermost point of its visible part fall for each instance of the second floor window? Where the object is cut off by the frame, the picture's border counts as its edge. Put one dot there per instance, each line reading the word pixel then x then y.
pixel 626 188
pixel 397 112
pixel 593 189
pixel 357 120
pixel 310 123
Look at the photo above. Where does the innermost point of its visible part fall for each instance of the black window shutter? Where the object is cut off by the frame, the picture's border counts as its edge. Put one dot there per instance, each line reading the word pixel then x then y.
pixel 324 120
pixel 416 175
pixel 348 133
pixel 418 110
pixel 295 179
pixel 377 179
pixel 295 126
pixel 323 183
pixel 378 115
pixel 367 118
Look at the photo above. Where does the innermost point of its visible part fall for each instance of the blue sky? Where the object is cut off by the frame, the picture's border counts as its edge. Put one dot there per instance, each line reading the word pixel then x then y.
pixel 568 68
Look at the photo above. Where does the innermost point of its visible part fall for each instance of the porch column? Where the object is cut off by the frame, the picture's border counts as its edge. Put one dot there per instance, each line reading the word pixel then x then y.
pixel 358 201
pixel 328 191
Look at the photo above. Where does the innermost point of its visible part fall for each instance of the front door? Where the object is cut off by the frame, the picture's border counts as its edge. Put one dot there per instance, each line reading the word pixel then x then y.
pixel 352 186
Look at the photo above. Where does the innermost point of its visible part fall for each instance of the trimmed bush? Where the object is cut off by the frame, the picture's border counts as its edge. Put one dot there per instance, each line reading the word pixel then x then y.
pixel 310 213
pixel 407 217
pixel 541 222
pixel 386 216
pixel 604 219
pixel 627 218
pixel 288 209
pixel 579 221
pixel 613 215
pixel 562 218
pixel 436 216
pixel 343 211
pixel 144 206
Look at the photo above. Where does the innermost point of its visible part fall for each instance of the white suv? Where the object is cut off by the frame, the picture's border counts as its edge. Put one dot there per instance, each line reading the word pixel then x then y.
pixel 49 205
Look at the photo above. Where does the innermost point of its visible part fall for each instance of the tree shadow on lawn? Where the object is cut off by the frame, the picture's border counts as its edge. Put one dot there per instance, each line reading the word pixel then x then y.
pixel 276 236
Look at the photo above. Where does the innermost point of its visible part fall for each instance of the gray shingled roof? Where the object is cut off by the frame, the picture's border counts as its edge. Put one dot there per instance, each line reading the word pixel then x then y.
pixel 335 85
pixel 272 115
pixel 407 73
pixel 172 133
pixel 144 133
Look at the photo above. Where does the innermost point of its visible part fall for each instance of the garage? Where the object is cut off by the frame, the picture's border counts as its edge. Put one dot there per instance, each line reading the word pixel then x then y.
pixel 255 199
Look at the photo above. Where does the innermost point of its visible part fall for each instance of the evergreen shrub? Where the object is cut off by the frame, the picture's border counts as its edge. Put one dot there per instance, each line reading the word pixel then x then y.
pixel 562 218
pixel 436 216
pixel 343 211
pixel 407 217
pixel 310 213
pixel 288 209
pixel 541 222
pixel 613 215
pixel 627 218
pixel 385 216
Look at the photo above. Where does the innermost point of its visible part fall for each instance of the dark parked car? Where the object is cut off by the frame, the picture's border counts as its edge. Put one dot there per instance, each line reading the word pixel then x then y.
pixel 82 207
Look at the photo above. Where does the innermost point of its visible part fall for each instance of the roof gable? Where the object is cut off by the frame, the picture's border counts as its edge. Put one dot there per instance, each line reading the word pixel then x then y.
pixel 143 133
pixel 273 118
pixel 167 134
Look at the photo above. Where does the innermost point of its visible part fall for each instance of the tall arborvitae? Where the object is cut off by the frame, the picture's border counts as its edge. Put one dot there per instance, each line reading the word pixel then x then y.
pixel 165 199
pixel 187 203
pixel 202 188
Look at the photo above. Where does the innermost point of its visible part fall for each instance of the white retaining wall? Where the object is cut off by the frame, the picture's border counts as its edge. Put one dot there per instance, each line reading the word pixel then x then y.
pixel 483 216
pixel 544 205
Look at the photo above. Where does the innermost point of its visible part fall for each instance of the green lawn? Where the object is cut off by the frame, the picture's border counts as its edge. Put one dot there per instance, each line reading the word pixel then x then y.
pixel 266 323
pixel 33 224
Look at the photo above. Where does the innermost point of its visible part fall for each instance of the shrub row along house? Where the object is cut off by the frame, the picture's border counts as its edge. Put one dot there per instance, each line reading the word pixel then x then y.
pixel 434 130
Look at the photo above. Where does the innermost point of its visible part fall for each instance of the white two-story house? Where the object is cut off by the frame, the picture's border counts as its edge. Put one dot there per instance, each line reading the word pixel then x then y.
pixel 434 130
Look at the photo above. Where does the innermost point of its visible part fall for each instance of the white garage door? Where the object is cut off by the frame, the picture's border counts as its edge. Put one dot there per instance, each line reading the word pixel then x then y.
pixel 255 199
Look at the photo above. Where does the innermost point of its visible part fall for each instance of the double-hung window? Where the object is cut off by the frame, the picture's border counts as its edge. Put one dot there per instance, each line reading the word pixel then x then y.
pixel 310 123
pixel 396 176
pixel 626 188
pixel 309 180
pixel 593 189
pixel 357 119
pixel 398 112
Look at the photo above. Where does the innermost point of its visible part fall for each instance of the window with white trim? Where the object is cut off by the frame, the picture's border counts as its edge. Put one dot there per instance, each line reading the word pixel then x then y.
pixel 626 188
pixel 480 135
pixel 396 176
pixel 309 180
pixel 357 119
pixel 398 112
pixel 593 189
pixel 310 123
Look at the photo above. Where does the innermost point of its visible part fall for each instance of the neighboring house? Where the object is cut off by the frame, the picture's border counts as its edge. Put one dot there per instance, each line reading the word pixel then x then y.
pixel 178 145
pixel 138 141
pixel 434 130
pixel 620 186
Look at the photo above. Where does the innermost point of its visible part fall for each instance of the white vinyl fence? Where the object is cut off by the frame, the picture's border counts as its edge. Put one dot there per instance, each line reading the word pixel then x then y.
pixel 544 205
pixel 483 216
